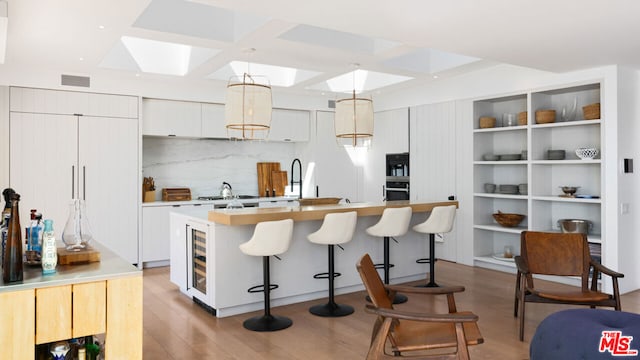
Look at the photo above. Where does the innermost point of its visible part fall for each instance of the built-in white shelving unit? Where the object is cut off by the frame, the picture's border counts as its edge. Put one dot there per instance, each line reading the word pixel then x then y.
pixel 542 203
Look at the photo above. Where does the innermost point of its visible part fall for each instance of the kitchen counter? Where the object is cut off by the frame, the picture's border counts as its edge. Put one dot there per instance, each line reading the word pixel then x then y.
pixel 110 266
pixel 229 272
pixel 79 300
pixel 252 216
pixel 217 202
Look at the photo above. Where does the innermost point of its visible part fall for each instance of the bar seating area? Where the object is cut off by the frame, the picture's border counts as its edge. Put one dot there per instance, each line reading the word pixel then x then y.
pixel 440 221
pixel 393 222
pixel 336 229
pixel 269 239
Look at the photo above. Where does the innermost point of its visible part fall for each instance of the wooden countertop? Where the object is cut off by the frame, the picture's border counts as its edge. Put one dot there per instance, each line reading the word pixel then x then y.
pixel 251 216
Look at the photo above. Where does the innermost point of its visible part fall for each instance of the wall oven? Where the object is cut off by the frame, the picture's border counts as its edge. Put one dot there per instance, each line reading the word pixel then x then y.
pixel 397 181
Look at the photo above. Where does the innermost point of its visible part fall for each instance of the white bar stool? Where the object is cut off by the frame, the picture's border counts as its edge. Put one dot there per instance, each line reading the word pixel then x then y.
pixel 440 221
pixel 393 222
pixel 270 238
pixel 336 229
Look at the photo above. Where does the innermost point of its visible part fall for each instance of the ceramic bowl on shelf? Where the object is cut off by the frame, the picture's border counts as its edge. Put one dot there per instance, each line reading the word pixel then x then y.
pixel 569 190
pixel 490 188
pixel 587 153
pixel 508 220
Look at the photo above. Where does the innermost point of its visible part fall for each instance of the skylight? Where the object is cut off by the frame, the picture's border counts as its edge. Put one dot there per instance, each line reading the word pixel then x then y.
pixel 277 75
pixel 157 57
pixel 360 80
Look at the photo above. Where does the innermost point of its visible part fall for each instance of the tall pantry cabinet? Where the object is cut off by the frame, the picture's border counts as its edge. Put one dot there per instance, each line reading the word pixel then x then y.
pixel 66 145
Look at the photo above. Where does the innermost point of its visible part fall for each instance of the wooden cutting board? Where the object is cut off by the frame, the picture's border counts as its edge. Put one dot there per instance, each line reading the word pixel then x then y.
pixel 66 257
pixel 279 182
pixel 265 181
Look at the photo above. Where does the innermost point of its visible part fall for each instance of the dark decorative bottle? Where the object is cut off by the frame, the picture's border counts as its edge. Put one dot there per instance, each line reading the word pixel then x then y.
pixel 12 262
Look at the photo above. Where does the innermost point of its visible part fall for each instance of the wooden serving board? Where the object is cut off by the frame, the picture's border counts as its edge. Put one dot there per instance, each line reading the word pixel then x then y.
pixel 265 181
pixel 66 257
pixel 279 182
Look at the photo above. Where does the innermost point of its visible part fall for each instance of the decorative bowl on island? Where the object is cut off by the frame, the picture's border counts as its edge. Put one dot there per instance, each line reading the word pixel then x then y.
pixel 587 153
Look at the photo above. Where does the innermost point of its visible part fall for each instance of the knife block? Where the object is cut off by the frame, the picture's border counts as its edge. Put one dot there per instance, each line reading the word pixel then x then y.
pixel 149 196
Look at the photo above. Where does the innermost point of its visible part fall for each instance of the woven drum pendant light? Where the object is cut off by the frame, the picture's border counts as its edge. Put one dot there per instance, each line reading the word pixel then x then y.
pixel 353 119
pixel 248 107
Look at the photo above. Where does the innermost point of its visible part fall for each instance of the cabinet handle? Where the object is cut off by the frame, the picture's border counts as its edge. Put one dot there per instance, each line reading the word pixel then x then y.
pixel 73 181
pixel 84 183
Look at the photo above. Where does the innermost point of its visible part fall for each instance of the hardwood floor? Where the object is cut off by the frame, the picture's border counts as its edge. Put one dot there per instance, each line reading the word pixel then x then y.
pixel 176 328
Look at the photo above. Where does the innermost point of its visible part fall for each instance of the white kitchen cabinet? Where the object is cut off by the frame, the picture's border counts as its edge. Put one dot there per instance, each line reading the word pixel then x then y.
pixel 44 165
pixel 432 162
pixel 542 204
pixel 156 238
pixel 57 157
pixel 213 124
pixel 45 101
pixel 155 233
pixel 108 177
pixel 338 170
pixel 171 118
pixel 390 135
pixel 289 125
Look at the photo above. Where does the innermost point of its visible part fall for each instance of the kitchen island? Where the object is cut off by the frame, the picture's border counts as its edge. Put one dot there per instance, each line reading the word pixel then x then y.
pixel 78 300
pixel 208 266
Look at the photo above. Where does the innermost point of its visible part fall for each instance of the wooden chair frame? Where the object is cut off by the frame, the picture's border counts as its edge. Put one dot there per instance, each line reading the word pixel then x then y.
pixel 405 330
pixel 563 254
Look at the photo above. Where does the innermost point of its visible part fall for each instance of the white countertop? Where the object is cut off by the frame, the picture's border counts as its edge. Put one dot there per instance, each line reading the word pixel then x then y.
pixel 218 202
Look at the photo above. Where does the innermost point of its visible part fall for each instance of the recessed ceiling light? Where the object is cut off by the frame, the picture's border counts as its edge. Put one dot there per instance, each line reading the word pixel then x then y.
pixel 101 27
pixel 138 75
pixel 81 59
pixel 435 76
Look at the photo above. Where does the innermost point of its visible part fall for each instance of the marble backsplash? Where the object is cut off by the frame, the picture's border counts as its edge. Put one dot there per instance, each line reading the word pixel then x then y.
pixel 203 164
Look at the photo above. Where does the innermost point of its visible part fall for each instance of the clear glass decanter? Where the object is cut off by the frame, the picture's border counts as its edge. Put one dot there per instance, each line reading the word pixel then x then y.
pixel 77 233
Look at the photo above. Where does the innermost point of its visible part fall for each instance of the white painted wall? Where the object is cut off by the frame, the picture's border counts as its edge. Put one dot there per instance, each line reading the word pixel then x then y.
pixel 4 137
pixel 628 184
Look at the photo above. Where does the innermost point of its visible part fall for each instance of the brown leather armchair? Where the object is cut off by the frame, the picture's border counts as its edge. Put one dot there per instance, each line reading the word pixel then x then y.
pixel 563 254
pixel 416 332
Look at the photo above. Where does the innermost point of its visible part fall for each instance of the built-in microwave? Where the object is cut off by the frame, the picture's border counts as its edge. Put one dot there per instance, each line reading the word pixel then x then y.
pixel 397 180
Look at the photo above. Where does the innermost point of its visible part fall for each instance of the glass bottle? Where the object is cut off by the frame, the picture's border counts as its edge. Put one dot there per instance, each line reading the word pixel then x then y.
pixel 77 233
pixel 7 193
pixel 12 262
pixel 4 232
pixel 49 251
pixel 35 232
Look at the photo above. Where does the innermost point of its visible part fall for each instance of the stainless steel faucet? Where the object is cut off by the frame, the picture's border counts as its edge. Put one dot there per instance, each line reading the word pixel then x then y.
pixel 299 173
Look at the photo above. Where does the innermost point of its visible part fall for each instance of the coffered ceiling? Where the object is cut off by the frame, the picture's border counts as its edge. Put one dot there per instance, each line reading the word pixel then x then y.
pixel 314 46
